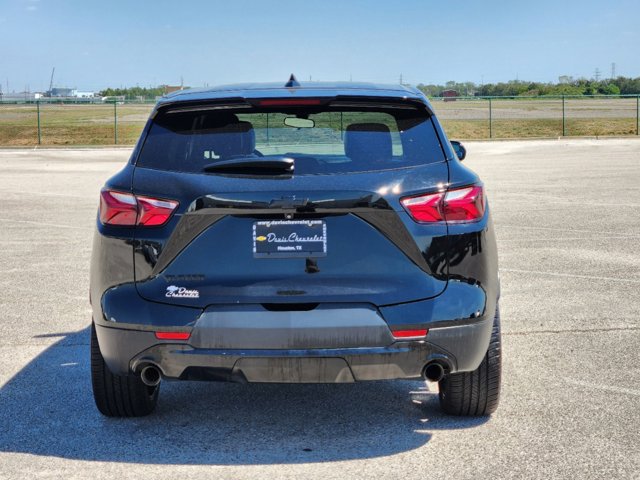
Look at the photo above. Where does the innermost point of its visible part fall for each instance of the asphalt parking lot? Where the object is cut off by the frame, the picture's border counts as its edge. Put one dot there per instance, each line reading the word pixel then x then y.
pixel 567 215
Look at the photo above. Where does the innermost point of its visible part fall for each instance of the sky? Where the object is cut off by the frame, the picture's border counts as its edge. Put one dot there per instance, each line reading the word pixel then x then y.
pixel 117 43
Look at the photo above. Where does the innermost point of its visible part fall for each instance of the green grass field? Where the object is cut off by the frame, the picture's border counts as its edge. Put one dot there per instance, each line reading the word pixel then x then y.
pixel 514 118
pixel 464 119
pixel 71 124
pixel 541 128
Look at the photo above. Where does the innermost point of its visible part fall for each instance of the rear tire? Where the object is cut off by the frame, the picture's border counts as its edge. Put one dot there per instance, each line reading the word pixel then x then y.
pixel 119 395
pixel 476 393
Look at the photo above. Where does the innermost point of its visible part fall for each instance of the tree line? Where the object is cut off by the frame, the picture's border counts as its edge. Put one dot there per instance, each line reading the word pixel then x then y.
pixel 133 93
pixel 514 88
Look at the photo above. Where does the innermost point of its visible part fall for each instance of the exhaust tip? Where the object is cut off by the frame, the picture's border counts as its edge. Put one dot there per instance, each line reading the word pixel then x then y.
pixel 150 375
pixel 433 371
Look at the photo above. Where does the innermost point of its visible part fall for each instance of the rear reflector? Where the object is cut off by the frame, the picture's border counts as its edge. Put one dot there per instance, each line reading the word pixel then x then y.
pixel 289 102
pixel 409 333
pixel 173 335
pixel 459 205
pixel 120 208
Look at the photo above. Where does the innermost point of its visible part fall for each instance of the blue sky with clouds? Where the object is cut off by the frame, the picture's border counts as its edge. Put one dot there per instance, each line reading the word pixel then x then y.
pixel 124 43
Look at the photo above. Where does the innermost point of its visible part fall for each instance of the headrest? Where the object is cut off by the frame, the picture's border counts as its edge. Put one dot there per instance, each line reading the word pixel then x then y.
pixel 232 139
pixel 217 120
pixel 368 142
pixel 240 138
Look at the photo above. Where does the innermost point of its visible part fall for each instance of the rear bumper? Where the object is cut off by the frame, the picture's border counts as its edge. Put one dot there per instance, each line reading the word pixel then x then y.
pixel 458 348
pixel 330 343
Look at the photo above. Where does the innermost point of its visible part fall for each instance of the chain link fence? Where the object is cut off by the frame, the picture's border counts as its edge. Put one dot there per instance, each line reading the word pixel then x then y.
pixel 72 123
pixel 538 117
pixel 120 123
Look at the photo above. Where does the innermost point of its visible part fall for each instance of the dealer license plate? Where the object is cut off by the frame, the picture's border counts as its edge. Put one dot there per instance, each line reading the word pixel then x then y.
pixel 289 238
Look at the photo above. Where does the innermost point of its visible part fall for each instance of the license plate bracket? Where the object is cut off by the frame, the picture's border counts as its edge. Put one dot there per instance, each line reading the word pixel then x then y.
pixel 289 238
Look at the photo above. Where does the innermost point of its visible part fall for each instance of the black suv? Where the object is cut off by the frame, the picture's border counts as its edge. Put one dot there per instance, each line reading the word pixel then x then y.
pixel 304 233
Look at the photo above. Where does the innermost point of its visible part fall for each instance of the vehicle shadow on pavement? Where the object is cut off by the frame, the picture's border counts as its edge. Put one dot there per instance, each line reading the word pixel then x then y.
pixel 47 409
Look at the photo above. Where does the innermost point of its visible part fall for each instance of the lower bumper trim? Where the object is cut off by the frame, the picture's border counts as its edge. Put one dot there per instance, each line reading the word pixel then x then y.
pixel 291 366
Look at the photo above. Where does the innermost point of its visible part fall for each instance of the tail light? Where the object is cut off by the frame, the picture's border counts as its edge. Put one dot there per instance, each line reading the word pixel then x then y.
pixel 154 212
pixel 459 205
pixel 119 208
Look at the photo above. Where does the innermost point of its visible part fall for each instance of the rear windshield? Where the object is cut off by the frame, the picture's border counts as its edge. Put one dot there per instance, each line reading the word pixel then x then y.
pixel 319 141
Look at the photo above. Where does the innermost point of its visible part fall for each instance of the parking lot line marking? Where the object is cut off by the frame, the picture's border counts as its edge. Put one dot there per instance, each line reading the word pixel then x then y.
pixel 565 230
pixel 43 224
pixel 46 194
pixel 28 151
pixel 571 275
pixel 606 388
pixel 561 201
pixel 34 241
pixel 571 330
pixel 573 239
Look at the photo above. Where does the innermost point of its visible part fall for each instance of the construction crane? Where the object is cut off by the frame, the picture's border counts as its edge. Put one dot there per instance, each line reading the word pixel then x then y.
pixel 51 82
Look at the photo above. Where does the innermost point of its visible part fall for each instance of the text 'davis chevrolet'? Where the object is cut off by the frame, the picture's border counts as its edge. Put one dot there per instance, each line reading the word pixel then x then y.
pixel 294 233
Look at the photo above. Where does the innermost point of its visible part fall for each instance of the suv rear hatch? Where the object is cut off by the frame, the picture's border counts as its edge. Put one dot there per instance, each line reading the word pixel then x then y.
pixel 295 204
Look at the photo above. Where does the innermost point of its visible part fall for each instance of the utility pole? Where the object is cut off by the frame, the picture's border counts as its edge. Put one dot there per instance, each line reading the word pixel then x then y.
pixel 597 74
pixel 400 79
pixel 51 81
pixel 613 70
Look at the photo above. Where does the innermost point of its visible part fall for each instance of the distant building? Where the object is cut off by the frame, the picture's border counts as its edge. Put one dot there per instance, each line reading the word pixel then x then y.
pixel 172 88
pixel 20 96
pixel 119 99
pixel 80 94
pixel 61 92
pixel 64 92
pixel 449 95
